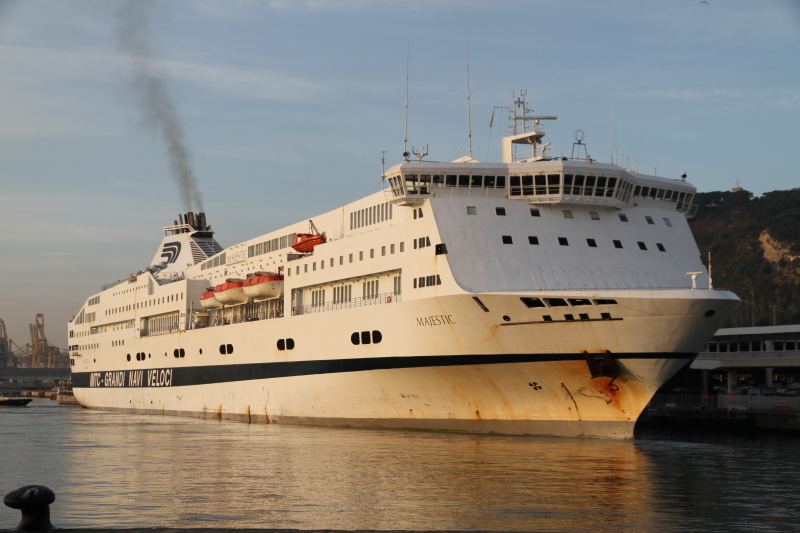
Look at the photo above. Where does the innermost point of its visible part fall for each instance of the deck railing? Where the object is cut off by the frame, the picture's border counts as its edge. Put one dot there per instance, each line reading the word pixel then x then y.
pixel 379 299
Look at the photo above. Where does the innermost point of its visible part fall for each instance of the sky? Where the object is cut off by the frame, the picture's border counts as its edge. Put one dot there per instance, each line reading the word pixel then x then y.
pixel 282 110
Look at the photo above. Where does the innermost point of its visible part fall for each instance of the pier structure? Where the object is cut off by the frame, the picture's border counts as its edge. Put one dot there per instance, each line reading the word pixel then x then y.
pixel 765 360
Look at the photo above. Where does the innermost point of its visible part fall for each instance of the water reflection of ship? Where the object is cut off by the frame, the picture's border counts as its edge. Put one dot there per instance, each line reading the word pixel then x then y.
pixel 536 296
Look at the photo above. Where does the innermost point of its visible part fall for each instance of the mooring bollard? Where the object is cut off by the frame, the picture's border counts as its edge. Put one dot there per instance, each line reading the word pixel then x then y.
pixel 34 502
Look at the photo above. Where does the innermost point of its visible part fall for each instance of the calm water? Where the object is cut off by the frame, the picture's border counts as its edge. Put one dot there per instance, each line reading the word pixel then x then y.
pixel 116 470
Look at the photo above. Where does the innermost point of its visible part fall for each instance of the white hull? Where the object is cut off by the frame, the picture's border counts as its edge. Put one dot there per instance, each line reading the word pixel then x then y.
pixel 413 378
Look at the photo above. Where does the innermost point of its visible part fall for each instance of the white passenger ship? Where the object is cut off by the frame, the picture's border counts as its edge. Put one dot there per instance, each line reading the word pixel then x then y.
pixel 544 296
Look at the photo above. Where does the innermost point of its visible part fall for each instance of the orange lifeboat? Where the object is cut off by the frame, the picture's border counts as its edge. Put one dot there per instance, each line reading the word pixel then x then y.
pixel 230 292
pixel 263 285
pixel 208 300
pixel 305 242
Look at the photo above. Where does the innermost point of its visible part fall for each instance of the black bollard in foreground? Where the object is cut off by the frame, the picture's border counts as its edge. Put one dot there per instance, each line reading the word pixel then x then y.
pixel 34 502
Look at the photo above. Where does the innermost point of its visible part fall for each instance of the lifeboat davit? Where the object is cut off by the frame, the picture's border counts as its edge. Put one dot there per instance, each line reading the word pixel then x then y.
pixel 305 242
pixel 230 292
pixel 263 285
pixel 208 300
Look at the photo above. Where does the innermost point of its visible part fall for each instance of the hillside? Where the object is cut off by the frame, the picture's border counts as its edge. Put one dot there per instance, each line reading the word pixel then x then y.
pixel 755 252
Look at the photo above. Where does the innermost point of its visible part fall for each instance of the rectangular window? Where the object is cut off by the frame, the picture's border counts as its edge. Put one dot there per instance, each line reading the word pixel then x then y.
pixel 402 247
pixel 372 253
pixel 500 183
pixel 532 302
pixel 623 217
pixel 661 247
pixel 391 248
pixel 535 212
pixel 383 250
pixel 472 210
pixel 500 211
pixel 777 346
pixel 331 262
pixel 314 266
pixel 351 258
pixel 360 256
pixel 667 222
pixel 533 240
pixel 341 259
pixel 642 246
pixel 305 267
pixel 507 239
pixel 593 215
pixel 476 182
pixel 568 213
pixel 617 244
pixel 563 241
pixel 592 243
pixel 649 219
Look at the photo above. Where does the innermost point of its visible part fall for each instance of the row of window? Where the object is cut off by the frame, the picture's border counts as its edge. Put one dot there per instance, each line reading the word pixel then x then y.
pixel 278 243
pixel 540 185
pixel 594 215
pixel 427 281
pixel 422 242
pixel 91 346
pixel 366 337
pixel 94 301
pixel 417 211
pixel 384 249
pixel 342 294
pixel 371 215
pixel 752 346
pixel 561 302
pixel 118 343
pixel 422 183
pixel 224 349
pixel 139 305
pixel 581 316
pixel 592 243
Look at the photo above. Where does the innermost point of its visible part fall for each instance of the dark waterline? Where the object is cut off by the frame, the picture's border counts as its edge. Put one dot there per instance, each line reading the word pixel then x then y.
pixel 118 470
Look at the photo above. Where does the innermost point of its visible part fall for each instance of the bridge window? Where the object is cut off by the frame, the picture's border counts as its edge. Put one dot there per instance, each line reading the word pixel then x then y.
pixel 507 239
pixel 623 217
pixel 472 210
pixel 535 212
pixel 642 246
pixel 592 243
pixel 594 215
pixel 661 247
pixel 563 241
pixel 500 211
pixel 533 240
pixel 617 244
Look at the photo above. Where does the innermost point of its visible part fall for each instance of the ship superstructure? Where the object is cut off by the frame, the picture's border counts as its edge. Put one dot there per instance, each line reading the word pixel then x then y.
pixel 534 296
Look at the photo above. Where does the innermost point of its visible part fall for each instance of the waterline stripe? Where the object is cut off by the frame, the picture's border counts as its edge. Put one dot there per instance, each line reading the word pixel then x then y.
pixel 209 374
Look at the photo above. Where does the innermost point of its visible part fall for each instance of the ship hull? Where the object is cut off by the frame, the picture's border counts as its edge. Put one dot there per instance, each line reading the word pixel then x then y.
pixel 441 364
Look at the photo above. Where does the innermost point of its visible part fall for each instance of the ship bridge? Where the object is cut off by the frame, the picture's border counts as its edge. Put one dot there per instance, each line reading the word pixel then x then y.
pixel 529 173
pixel 545 181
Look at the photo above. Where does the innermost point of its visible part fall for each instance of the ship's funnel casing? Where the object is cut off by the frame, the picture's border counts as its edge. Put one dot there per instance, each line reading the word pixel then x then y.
pixel 189 242
pixel 176 251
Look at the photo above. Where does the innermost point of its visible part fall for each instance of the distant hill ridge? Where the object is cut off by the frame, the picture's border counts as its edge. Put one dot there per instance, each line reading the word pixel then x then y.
pixel 755 251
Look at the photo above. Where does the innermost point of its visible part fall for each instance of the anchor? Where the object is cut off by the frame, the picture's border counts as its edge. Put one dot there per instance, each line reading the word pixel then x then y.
pixel 603 367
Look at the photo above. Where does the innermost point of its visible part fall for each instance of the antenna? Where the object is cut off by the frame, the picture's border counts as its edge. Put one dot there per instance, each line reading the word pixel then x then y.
pixel 469 104
pixel 422 152
pixel 405 132
pixel 383 165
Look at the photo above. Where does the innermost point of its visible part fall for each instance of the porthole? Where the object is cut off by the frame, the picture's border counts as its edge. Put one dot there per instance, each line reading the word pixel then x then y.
pixel 376 337
pixel 230 348
pixel 289 344
pixel 709 313
pixel 201 351
pixel 182 352
pixel 365 337
pixel 281 344
pixel 129 357
pixel 507 318
pixel 222 349
pixel 355 338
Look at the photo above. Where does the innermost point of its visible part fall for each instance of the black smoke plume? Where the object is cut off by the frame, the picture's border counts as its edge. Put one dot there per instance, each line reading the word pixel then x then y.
pixel 159 114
